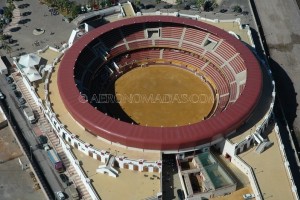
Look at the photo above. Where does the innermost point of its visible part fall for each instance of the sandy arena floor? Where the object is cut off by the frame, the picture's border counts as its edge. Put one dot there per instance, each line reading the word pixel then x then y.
pixel 164 96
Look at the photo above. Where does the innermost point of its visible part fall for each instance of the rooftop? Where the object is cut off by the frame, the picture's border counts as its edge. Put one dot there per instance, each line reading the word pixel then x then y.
pixel 270 171
pixel 128 185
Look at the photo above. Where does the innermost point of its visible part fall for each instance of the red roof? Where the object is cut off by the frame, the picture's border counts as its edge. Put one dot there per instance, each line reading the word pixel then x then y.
pixel 165 138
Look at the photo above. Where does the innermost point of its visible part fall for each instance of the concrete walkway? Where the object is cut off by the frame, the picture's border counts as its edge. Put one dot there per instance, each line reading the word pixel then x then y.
pixel 14 24
pixel 44 127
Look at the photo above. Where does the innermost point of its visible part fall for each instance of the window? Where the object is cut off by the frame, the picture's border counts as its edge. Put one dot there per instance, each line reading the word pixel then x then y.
pixel 209 44
pixel 153 33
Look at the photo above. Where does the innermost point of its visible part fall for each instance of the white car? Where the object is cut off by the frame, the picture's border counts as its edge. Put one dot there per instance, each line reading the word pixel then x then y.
pixel 2 95
pixel 46 147
pixel 60 195
pixel 248 196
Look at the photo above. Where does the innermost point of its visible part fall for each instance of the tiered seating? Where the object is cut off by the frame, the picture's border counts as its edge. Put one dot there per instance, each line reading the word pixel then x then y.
pixel 218 62
pixel 144 55
pixel 228 74
pixel 140 44
pixel 222 104
pixel 118 50
pixel 87 78
pixel 138 56
pixel 83 62
pixel 180 56
pixel 96 64
pixel 132 33
pixel 220 82
pixel 167 43
pixel 237 64
pixel 223 101
pixel 242 87
pixel 194 35
pixel 233 91
pixel 86 56
pixel 79 70
pixel 225 50
pixel 94 43
pixel 100 82
pixel 214 38
pixel 191 47
pixel 110 41
pixel 174 32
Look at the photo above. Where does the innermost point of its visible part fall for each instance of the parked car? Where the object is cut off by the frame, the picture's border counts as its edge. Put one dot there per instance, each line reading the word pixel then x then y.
pixel 2 96
pixel 223 10
pixel 168 6
pixel 194 7
pixel 13 86
pixel 9 79
pixel 64 178
pixel 42 139
pixel 248 196
pixel 18 94
pixel 46 147
pixel 22 101
pixel 187 7
pixel 60 195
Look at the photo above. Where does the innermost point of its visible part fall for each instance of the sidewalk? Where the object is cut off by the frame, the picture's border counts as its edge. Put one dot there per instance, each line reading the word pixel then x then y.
pixel 15 21
pixel 43 127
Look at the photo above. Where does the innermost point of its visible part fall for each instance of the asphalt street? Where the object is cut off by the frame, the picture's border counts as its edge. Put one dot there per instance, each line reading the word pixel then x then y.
pixel 280 22
pixel 40 155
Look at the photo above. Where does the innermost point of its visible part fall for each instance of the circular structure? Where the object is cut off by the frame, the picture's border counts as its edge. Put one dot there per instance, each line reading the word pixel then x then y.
pixel 151 98
pixel 105 54
pixel 38 31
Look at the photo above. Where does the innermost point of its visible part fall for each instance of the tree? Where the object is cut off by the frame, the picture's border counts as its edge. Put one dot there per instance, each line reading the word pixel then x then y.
pixel 200 3
pixel 6 47
pixel 7 13
pixel 137 2
pixel 237 9
pixel 75 10
pixel 67 5
pixel 2 38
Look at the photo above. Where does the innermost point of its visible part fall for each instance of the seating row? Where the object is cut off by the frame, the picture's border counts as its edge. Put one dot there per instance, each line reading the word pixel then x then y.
pixel 237 64
pixel 225 50
pixel 174 32
pixel 195 36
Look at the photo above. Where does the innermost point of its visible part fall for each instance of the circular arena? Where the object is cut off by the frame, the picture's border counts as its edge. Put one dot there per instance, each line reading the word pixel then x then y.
pixel 159 82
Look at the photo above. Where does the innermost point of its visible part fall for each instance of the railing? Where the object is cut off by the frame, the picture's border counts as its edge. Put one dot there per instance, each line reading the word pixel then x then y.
pixel 245 168
pixel 84 178
pixel 286 162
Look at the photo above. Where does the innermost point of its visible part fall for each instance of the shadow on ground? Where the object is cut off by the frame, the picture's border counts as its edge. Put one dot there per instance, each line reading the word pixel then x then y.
pixel 15 29
pixel 286 95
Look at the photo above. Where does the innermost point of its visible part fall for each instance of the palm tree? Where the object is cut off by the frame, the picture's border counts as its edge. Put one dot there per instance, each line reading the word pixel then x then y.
pixel 6 47
pixel 2 38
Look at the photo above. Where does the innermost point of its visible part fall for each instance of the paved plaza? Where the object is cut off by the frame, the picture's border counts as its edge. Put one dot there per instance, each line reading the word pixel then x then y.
pixel 38 16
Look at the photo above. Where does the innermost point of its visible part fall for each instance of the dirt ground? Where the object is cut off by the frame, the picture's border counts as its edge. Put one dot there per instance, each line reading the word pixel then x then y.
pixel 164 96
pixel 9 148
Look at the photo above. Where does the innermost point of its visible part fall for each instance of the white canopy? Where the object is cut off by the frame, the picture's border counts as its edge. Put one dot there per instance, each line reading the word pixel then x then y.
pixel 32 74
pixel 29 60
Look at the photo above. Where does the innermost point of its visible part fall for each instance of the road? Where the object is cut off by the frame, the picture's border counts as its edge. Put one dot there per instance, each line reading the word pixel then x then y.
pixel 280 22
pixel 40 155
pixel 279 27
